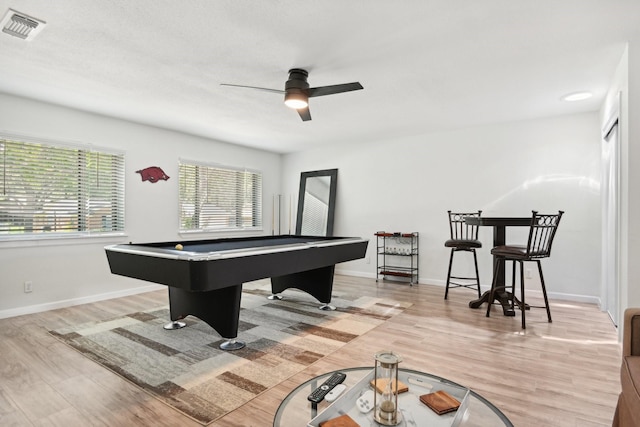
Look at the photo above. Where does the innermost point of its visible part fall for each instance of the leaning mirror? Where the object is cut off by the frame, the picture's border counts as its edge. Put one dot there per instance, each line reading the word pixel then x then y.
pixel 316 202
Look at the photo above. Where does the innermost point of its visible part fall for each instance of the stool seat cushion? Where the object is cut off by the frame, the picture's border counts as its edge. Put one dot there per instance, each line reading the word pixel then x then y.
pixel 513 251
pixel 463 243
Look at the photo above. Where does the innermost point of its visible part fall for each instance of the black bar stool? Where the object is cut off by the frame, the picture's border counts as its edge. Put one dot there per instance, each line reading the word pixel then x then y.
pixel 464 237
pixel 541 234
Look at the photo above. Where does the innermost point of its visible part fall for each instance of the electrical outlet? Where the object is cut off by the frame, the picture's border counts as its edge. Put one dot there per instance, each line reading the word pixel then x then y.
pixel 528 274
pixel 28 286
pixel 368 260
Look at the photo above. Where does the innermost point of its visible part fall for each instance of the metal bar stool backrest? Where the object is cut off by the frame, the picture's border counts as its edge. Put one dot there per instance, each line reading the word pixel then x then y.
pixel 543 230
pixel 460 230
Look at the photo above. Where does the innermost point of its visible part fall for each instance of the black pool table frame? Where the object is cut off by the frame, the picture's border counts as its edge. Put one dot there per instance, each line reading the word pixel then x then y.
pixel 205 278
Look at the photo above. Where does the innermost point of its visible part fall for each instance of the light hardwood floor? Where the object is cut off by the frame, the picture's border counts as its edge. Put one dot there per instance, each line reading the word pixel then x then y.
pixel 561 374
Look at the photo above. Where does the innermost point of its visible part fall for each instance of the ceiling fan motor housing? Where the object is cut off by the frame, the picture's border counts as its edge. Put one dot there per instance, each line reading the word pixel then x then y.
pixel 297 81
pixel 297 87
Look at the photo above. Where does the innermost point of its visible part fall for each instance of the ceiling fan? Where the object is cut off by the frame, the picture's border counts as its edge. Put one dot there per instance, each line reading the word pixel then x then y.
pixel 297 91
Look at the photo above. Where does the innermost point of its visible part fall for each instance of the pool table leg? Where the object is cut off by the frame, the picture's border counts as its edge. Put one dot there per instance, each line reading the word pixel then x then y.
pixel 317 283
pixel 219 308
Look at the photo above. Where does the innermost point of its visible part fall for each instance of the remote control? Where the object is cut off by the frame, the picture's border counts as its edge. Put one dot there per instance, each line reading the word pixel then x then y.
pixel 419 382
pixel 333 394
pixel 318 394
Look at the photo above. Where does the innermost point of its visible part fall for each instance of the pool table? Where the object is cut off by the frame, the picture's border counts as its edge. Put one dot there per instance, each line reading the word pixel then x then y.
pixel 205 277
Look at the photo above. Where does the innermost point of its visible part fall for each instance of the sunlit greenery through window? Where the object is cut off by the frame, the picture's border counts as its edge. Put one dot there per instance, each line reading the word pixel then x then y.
pixel 46 188
pixel 218 198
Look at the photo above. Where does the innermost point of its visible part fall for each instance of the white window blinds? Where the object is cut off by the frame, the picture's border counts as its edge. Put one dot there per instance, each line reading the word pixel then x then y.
pixel 59 190
pixel 217 198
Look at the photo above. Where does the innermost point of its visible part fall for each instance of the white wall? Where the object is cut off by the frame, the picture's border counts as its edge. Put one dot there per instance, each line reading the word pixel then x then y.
pixel 633 141
pixel 73 271
pixel 626 83
pixel 408 184
pixel 405 184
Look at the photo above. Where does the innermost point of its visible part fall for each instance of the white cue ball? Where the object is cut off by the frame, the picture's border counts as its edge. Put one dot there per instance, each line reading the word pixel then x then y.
pixel 179 247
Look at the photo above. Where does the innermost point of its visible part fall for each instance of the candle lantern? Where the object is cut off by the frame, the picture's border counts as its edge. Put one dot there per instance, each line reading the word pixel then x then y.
pixel 386 383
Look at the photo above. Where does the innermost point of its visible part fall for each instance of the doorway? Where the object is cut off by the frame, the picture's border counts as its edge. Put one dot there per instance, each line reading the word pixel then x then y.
pixel 610 218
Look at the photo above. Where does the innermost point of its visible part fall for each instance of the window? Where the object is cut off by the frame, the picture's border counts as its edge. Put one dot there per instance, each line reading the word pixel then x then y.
pixel 51 189
pixel 219 198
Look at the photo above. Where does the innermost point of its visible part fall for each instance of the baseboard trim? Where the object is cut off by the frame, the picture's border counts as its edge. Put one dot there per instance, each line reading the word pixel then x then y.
pixel 587 299
pixel 39 308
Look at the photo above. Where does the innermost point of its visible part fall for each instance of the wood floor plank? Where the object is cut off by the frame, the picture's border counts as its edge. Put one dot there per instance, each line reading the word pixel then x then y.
pixel 10 414
pixel 564 373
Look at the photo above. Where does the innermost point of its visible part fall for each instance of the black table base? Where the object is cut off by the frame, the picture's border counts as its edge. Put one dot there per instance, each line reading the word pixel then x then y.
pixel 507 300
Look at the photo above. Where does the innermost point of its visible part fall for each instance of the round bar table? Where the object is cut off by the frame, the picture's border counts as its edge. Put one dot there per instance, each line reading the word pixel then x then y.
pixel 499 225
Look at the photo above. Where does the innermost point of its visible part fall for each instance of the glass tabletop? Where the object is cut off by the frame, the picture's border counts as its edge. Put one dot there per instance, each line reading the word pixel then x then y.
pixel 296 411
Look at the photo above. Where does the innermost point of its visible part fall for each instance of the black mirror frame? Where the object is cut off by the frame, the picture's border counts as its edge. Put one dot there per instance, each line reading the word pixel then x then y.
pixel 333 175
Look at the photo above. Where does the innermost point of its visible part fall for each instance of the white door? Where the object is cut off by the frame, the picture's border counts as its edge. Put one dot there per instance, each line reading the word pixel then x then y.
pixel 610 222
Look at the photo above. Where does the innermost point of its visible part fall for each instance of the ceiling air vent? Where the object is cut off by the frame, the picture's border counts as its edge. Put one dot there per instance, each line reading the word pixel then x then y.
pixel 20 25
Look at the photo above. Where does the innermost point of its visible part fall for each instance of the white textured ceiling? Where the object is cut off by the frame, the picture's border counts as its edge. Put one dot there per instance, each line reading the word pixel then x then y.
pixel 426 65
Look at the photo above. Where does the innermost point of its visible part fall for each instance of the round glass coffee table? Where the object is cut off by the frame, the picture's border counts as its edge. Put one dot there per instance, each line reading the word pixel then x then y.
pixel 296 411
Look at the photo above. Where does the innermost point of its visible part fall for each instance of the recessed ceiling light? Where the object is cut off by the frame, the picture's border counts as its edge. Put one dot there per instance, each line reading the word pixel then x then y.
pixel 577 96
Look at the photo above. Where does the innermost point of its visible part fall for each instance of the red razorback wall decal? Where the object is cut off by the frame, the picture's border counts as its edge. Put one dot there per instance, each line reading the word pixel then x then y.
pixel 152 174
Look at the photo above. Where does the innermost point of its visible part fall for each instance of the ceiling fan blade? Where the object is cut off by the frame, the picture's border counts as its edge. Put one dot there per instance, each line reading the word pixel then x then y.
pixel 330 90
pixel 254 87
pixel 305 114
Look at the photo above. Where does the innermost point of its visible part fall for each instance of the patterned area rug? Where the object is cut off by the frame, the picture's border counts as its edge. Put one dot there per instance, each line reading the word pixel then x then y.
pixel 185 368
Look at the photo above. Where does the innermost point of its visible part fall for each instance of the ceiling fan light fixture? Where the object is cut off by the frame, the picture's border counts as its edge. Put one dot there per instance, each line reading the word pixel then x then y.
pixel 296 100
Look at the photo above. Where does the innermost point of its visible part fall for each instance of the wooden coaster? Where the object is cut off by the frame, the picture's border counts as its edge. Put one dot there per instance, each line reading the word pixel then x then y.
pixel 440 402
pixel 341 421
pixel 381 384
